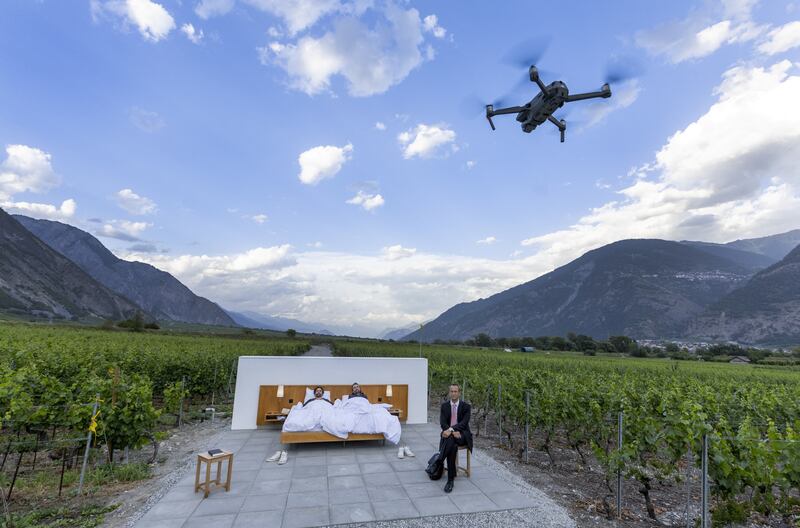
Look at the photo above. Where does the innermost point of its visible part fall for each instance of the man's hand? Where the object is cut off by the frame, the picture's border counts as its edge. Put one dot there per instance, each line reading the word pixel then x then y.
pixel 456 434
pixel 445 433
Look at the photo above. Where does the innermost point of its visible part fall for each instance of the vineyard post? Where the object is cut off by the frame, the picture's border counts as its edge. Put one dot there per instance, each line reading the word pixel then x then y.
pixel 88 443
pixel 500 411
pixel 464 390
pixel 704 494
pixel 180 408
pixel 619 468
pixel 527 430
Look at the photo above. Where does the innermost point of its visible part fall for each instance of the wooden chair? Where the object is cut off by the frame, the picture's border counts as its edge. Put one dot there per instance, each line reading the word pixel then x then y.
pixel 466 470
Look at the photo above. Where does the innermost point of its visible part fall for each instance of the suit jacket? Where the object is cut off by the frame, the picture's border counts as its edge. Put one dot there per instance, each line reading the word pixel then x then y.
pixel 462 420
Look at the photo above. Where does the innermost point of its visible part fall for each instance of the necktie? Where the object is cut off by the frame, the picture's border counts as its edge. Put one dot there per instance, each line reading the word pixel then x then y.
pixel 453 414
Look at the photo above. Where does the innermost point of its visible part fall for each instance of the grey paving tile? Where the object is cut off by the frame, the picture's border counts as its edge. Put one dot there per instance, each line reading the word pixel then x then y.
pixel 341 459
pixel 219 507
pixel 462 486
pixel 239 489
pixel 261 519
pixel 217 521
pixel 273 501
pixel 308 484
pixel 412 477
pixel 387 493
pixel 307 499
pixel 171 510
pixel 345 482
pixel 381 479
pixel 347 496
pixel 373 456
pixel 274 472
pixel 341 470
pixel 182 493
pixel 434 505
pixel 492 484
pixel 375 467
pixel 511 499
pixel 310 471
pixel 306 517
pixel 245 475
pixel 406 465
pixel 318 461
pixel 351 513
pixel 394 509
pixel 270 486
pixel 162 523
pixel 474 503
pixel 426 489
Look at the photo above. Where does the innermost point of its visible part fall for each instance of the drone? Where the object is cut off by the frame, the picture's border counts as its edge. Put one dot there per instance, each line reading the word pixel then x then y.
pixel 551 97
pixel 540 109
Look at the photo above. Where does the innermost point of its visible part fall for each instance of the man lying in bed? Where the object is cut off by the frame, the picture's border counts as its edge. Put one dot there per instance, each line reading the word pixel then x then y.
pixel 319 394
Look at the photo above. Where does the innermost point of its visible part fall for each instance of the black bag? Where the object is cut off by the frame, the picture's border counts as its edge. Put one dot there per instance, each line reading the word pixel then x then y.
pixel 435 467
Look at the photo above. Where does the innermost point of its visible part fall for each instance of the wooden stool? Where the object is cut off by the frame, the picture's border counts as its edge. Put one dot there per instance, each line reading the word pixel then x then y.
pixel 467 470
pixel 208 459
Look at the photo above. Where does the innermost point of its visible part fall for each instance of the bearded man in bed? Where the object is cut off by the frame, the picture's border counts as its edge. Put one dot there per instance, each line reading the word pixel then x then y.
pixel 357 392
pixel 319 394
pixel 454 420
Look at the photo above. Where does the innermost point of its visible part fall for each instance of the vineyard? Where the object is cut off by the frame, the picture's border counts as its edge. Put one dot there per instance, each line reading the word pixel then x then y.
pixel 58 382
pixel 749 415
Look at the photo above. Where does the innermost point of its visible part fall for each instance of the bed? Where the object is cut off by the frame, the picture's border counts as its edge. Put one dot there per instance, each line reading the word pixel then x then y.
pixel 347 420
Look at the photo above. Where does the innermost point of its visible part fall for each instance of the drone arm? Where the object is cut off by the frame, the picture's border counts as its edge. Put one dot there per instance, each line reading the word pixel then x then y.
pixel 562 125
pixel 604 93
pixel 509 110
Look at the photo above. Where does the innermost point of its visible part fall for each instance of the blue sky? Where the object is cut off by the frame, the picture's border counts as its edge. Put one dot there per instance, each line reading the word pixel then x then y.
pixel 175 130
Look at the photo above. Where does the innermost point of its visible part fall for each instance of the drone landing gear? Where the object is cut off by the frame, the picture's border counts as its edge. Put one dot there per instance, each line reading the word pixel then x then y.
pixel 561 124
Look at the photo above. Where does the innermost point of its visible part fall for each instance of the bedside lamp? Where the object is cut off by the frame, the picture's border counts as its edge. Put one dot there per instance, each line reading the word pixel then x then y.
pixel 388 391
pixel 280 391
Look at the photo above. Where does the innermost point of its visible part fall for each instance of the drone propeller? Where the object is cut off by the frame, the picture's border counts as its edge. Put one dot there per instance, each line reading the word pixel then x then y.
pixel 472 105
pixel 527 52
pixel 620 69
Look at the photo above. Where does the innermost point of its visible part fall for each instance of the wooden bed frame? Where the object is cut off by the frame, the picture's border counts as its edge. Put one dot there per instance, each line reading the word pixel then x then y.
pixel 269 403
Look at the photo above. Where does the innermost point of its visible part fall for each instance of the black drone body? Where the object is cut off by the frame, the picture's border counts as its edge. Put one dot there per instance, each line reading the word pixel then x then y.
pixel 541 108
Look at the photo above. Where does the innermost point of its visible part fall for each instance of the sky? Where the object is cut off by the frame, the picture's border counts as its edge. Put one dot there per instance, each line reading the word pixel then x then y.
pixel 328 160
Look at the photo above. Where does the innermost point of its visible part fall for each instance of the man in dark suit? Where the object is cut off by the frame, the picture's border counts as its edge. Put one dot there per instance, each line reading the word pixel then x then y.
pixel 454 419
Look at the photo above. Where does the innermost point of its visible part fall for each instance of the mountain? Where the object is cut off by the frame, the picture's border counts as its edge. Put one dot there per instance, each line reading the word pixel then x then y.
pixel 747 259
pixel 156 291
pixel 35 279
pixel 775 246
pixel 641 288
pixel 397 333
pixel 765 310
pixel 267 322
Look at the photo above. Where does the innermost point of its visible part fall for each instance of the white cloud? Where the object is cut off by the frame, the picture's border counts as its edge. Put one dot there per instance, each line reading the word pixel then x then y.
pixel 298 15
pixel 26 169
pixel 146 120
pixel 206 9
pixel 431 25
pixel 625 94
pixel 319 163
pixel 703 32
pixel 135 204
pixel 712 180
pixel 426 141
pixel 379 125
pixel 194 36
pixel 366 200
pixel 122 230
pixel 259 218
pixel 315 245
pixel 150 18
pixel 370 59
pixel 470 164
pixel 397 252
pixel 781 39
pixel 40 210
pixel 488 241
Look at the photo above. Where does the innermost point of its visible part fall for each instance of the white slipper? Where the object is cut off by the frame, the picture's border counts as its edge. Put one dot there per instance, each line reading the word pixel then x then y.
pixel 401 453
pixel 284 458
pixel 408 451
pixel 275 457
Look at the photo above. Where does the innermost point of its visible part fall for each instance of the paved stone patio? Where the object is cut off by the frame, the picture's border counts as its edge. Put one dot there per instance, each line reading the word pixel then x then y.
pixel 329 484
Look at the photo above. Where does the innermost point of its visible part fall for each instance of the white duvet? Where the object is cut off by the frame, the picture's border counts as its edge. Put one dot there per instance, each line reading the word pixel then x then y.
pixel 354 415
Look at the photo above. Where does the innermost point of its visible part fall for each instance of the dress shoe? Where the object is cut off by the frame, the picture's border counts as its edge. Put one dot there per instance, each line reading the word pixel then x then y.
pixel 448 487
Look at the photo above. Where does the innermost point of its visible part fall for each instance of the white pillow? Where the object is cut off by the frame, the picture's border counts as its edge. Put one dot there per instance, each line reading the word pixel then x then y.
pixel 310 395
